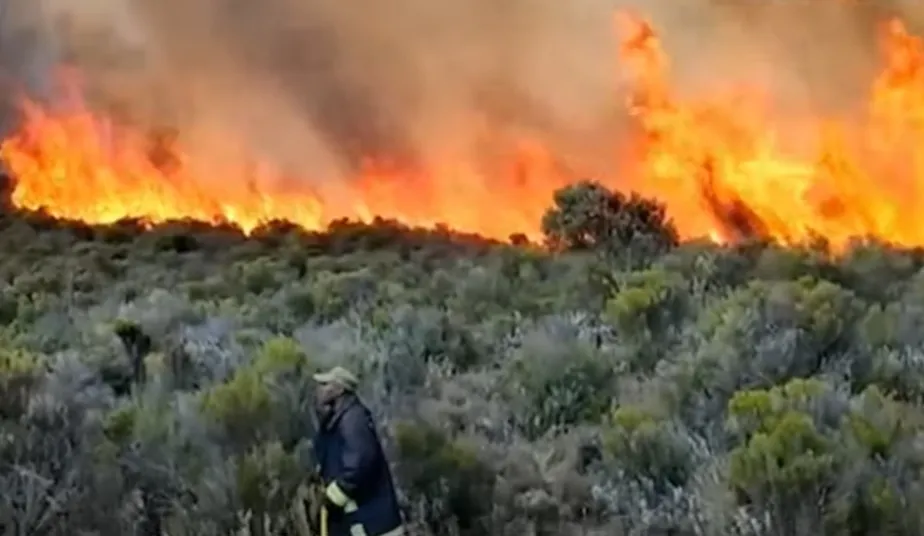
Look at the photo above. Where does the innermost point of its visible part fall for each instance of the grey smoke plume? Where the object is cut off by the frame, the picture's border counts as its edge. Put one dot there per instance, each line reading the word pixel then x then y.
pixel 316 85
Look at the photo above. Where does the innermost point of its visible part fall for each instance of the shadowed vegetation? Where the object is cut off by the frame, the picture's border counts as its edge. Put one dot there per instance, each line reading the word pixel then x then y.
pixel 157 381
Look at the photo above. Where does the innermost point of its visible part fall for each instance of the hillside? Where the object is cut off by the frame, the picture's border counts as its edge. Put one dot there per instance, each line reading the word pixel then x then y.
pixel 155 381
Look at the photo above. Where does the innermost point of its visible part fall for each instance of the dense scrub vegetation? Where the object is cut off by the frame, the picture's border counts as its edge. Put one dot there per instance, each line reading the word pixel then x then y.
pixel 617 382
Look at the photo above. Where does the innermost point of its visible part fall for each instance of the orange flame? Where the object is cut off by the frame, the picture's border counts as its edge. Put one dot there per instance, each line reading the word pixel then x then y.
pixel 722 153
pixel 717 164
pixel 77 165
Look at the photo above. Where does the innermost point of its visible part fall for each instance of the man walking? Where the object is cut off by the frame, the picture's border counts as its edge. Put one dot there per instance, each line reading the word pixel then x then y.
pixel 359 494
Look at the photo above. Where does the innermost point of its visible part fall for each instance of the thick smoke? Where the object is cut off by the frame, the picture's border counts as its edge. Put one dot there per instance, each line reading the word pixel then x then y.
pixel 315 86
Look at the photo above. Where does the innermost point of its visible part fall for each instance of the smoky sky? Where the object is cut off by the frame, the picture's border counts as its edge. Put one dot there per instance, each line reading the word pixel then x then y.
pixel 319 85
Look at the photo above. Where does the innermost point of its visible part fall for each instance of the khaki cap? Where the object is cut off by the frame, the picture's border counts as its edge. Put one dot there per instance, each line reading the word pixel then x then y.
pixel 339 375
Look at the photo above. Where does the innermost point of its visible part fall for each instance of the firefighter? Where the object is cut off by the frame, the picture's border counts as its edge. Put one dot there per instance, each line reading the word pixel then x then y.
pixel 359 494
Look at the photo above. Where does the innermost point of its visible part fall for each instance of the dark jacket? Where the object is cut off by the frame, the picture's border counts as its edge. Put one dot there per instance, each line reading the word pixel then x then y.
pixel 352 462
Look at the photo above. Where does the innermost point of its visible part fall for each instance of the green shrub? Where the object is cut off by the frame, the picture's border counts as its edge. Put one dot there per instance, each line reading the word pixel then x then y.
pixel 20 373
pixel 554 388
pixel 783 461
pixel 645 445
pixel 447 475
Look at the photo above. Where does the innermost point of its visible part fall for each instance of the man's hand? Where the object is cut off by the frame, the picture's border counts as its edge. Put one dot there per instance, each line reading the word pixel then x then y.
pixel 336 501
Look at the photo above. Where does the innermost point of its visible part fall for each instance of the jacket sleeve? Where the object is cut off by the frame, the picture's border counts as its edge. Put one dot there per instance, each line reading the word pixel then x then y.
pixel 358 457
